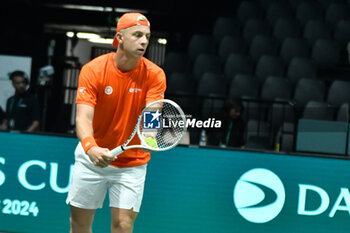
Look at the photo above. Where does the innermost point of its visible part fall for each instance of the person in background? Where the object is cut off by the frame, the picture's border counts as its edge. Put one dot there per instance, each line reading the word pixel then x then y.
pixel 22 109
pixel 3 124
pixel 232 129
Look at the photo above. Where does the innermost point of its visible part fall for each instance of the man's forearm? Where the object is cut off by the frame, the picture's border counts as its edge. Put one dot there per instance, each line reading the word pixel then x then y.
pixel 84 128
pixel 34 126
pixel 84 121
pixel 4 125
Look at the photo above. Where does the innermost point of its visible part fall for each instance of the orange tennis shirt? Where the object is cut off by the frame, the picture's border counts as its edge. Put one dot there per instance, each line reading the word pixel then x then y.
pixel 118 99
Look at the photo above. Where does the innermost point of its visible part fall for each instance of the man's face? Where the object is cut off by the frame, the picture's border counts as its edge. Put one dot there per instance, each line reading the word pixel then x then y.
pixel 235 112
pixel 135 40
pixel 19 83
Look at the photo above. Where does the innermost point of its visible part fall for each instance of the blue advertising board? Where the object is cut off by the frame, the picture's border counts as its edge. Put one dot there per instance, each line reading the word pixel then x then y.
pixel 188 190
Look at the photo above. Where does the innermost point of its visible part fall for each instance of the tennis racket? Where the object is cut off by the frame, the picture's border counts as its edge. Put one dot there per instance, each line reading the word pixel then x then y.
pixel 162 120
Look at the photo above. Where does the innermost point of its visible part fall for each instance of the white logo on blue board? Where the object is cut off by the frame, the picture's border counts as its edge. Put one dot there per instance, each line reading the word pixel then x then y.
pixel 259 195
pixel 151 120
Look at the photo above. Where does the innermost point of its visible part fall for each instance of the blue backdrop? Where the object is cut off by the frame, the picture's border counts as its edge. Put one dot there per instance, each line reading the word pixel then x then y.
pixel 188 190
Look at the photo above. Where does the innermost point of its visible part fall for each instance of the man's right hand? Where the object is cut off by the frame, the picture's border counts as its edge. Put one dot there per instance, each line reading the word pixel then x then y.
pixel 99 156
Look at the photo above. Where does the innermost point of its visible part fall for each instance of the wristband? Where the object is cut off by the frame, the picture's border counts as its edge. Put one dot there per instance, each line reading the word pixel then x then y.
pixel 88 142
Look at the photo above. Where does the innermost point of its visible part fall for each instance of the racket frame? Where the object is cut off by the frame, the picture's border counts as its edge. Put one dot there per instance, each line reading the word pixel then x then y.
pixel 120 149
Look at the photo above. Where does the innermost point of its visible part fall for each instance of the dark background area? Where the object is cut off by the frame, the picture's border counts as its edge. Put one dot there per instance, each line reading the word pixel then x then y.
pixel 22 20
pixel 22 24
pixel 270 82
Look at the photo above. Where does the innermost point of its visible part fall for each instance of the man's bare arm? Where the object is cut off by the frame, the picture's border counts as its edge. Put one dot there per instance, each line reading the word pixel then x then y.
pixel 84 123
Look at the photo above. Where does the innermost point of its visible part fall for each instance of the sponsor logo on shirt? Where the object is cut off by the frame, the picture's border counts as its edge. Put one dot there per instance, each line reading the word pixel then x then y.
pixel 82 90
pixel 134 90
pixel 108 90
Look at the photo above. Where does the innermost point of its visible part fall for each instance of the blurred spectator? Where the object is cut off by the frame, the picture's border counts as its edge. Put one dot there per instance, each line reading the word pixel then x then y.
pixel 22 109
pixel 232 129
pixel 3 121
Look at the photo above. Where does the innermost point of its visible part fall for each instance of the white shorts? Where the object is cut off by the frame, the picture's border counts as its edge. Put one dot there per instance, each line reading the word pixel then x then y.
pixel 89 184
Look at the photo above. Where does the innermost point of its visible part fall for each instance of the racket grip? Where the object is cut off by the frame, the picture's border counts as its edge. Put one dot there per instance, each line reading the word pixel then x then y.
pixel 117 151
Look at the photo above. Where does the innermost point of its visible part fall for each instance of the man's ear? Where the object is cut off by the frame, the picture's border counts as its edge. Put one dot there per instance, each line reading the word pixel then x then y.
pixel 120 37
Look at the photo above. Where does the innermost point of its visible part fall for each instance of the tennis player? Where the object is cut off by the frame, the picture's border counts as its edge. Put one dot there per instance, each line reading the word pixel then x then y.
pixel 113 89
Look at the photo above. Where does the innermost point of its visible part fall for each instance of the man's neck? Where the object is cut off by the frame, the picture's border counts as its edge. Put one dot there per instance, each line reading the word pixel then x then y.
pixel 124 62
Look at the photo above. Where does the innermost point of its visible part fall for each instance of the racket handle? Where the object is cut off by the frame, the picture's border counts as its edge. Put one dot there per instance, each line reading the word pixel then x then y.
pixel 117 151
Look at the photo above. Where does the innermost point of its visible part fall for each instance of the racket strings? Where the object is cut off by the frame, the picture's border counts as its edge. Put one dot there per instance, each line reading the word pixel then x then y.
pixel 172 126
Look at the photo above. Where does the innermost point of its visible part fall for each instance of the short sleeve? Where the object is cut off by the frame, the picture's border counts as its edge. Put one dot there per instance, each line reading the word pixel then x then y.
pixel 157 86
pixel 87 87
